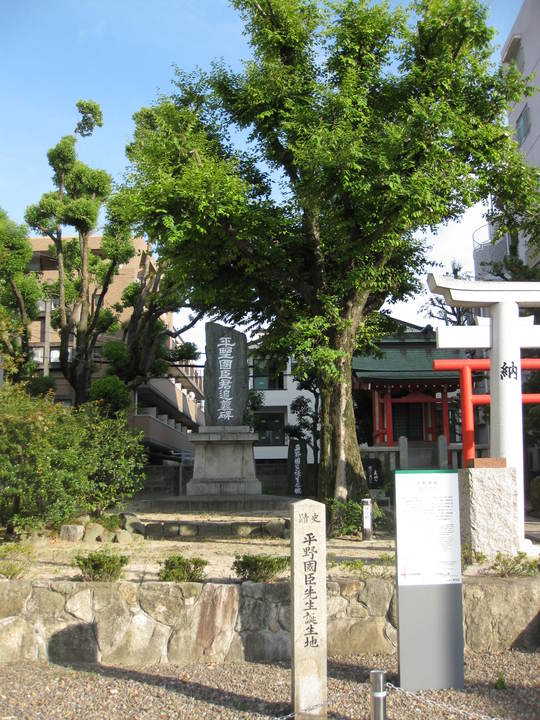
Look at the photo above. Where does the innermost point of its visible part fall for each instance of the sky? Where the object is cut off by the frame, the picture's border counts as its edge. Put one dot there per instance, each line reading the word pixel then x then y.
pixel 122 54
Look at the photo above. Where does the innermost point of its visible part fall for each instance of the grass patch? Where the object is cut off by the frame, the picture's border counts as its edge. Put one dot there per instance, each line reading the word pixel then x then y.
pixel 471 557
pixel 259 568
pixel 178 568
pixel 15 558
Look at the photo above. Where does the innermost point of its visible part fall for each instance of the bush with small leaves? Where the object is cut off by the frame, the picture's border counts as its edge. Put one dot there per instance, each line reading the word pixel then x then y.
pixel 10 569
pixel 15 558
pixel 110 522
pixel 178 568
pixel 259 568
pixel 346 518
pixel 101 565
pixel 518 565
pixel 470 556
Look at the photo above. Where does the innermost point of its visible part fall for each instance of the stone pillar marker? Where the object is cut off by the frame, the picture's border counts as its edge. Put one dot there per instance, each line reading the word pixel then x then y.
pixel 309 613
pixel 297 468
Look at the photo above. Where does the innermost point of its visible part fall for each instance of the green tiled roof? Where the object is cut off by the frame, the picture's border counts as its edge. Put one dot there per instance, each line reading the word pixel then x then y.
pixel 406 357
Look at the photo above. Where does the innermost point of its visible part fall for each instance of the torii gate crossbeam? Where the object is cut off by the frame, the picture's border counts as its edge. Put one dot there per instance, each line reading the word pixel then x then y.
pixel 466 366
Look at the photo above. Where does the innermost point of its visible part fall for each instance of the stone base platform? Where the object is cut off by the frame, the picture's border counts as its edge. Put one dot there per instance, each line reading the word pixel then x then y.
pixel 224 463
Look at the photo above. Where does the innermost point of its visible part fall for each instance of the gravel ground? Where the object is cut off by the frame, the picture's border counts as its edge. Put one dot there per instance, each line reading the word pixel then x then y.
pixel 38 691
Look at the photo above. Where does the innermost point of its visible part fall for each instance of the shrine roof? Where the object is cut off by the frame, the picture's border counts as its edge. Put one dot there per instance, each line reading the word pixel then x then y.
pixel 407 355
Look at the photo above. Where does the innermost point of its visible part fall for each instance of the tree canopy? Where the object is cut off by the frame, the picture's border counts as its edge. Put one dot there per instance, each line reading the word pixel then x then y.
pixel 84 277
pixel 365 126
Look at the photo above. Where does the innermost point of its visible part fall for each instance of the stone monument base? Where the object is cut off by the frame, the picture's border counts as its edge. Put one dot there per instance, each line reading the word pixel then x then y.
pixel 488 501
pixel 224 462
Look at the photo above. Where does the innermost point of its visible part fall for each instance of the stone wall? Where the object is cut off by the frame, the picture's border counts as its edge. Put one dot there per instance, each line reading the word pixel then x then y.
pixel 146 623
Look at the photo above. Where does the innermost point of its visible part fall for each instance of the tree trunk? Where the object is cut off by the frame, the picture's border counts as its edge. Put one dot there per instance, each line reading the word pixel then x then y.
pixel 341 472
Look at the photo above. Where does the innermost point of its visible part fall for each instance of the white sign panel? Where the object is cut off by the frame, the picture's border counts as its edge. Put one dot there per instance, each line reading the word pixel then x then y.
pixel 427 528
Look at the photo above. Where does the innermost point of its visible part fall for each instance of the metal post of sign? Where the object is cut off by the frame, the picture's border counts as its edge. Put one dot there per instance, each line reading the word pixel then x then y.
pixel 378 694
pixel 367 530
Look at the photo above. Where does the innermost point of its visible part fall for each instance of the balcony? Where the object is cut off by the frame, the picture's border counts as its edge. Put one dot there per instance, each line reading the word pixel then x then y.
pixel 486 252
pixel 160 434
pixel 169 400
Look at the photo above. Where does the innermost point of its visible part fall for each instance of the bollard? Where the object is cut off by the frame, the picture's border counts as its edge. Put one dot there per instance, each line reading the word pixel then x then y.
pixel 378 694
pixel 367 530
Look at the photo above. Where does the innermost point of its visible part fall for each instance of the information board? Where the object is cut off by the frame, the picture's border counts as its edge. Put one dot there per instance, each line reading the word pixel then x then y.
pixel 428 560
pixel 427 537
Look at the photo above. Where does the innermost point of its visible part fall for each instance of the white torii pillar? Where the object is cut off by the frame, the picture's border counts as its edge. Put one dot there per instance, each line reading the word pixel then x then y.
pixel 505 335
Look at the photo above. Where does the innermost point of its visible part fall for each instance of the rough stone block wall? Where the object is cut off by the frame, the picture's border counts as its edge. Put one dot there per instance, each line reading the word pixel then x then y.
pixel 147 623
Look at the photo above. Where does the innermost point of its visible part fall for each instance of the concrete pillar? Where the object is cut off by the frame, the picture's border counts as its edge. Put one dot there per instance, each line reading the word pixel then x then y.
pixel 506 404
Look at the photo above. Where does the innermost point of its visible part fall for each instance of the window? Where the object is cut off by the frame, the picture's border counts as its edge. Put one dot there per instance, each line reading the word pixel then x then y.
pixel 35 262
pixel 37 355
pixel 514 53
pixel 266 377
pixel 271 427
pixel 519 59
pixel 523 125
pixel 54 355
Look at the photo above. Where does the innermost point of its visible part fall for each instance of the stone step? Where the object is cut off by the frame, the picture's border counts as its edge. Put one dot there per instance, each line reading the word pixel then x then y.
pixel 208 503
pixel 199 529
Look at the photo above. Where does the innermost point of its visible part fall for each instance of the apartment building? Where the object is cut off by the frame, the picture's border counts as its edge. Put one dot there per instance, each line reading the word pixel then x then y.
pixel 522 47
pixel 167 409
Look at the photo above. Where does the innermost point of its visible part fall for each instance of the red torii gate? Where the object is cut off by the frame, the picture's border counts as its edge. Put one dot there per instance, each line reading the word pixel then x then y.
pixel 466 366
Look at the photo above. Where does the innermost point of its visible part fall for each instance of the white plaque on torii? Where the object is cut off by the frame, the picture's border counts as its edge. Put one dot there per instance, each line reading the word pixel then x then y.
pixel 505 335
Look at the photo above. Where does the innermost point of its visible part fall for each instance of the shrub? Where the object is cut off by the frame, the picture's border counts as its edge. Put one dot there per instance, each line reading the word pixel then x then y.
pixel 500 684
pixel 506 565
pixel 346 518
pixel 57 462
pixel 259 568
pixel 111 392
pixel 11 569
pixel 178 568
pixel 111 522
pixel 41 385
pixel 14 559
pixel 101 565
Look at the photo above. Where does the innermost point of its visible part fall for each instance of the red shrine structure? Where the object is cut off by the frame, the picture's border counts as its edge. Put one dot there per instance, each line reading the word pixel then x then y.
pixel 400 394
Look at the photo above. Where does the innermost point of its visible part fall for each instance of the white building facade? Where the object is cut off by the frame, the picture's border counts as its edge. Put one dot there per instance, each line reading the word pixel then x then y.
pixel 279 390
pixel 522 48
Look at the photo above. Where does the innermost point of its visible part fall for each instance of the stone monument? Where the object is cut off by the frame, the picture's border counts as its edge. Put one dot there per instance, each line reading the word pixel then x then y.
pixel 224 462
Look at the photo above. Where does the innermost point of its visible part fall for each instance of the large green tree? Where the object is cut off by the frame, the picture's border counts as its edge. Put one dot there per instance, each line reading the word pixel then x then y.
pixel 362 126
pixel 84 277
